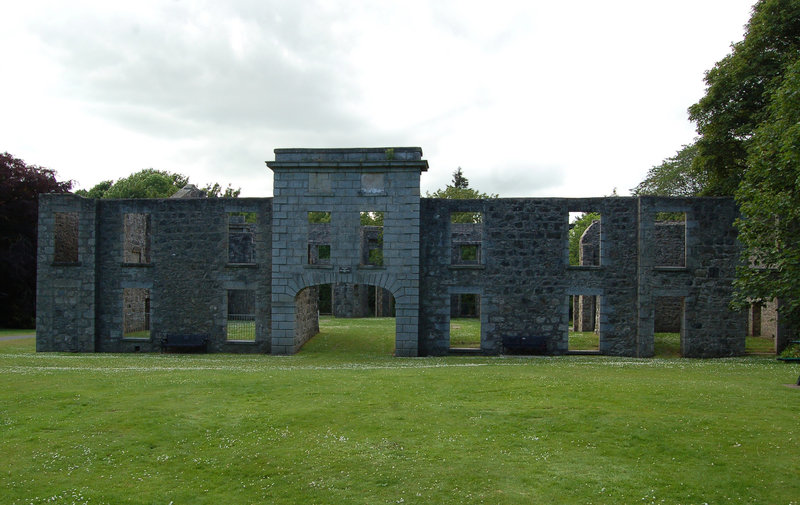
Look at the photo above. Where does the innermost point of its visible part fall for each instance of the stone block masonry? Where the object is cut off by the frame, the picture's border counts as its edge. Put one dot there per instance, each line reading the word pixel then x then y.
pixel 175 261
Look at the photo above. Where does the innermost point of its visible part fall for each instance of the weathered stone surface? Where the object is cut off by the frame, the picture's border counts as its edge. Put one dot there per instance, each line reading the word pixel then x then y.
pixel 190 253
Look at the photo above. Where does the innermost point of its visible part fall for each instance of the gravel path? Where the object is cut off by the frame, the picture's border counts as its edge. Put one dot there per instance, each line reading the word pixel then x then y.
pixel 16 337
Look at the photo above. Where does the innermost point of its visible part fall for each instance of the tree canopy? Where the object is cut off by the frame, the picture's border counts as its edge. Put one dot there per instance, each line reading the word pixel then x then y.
pixel 769 200
pixel 151 183
pixel 739 90
pixel 20 187
pixel 749 146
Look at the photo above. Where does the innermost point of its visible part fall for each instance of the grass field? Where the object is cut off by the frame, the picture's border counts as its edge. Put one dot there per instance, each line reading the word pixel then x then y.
pixel 344 422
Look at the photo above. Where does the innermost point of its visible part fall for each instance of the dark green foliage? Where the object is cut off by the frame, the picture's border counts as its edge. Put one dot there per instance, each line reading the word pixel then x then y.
pixel 216 191
pixel 769 199
pixel 20 187
pixel 675 176
pixel 152 183
pixel 319 217
pixel 739 89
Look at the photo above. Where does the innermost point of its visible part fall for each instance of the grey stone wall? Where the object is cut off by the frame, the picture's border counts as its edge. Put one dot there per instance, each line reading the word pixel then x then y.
pixel 65 288
pixel 306 315
pixel 195 254
pixel 669 251
pixel 188 274
pixel 705 281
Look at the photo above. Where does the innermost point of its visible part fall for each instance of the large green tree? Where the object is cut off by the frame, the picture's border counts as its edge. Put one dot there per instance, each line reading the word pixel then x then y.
pixel 739 90
pixel 769 199
pixel 151 183
pixel 20 187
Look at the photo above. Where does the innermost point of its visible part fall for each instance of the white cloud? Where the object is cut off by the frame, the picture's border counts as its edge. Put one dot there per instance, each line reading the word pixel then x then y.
pixel 536 98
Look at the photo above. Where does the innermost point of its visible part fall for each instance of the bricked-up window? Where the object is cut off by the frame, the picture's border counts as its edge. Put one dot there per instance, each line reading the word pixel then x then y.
pixel 319 238
pixel 465 320
pixel 670 239
pixel 373 183
pixel 466 237
pixel 136 249
pixel 241 320
pixel 136 313
pixel 319 183
pixel 371 237
pixel 66 237
pixel 584 239
pixel 241 237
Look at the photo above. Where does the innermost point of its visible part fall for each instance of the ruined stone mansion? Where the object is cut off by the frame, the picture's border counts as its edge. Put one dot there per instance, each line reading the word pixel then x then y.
pixel 121 275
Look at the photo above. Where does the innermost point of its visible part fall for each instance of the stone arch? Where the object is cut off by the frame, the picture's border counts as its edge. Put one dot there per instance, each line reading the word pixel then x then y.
pixel 289 334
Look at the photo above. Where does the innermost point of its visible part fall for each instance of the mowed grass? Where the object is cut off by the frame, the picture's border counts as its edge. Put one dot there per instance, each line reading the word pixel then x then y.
pixel 344 422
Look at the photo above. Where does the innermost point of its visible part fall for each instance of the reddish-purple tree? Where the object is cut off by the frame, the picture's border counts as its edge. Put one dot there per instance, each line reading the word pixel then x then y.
pixel 20 186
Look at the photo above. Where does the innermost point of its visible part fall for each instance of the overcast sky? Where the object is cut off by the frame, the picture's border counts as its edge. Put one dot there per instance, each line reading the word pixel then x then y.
pixel 530 98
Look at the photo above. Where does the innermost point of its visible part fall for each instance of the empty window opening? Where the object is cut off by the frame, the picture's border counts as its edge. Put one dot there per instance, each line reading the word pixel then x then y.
pixel 372 183
pixel 241 320
pixel 241 237
pixel 136 313
pixel 136 248
pixel 670 239
pixel 66 237
pixel 465 320
pixel 319 238
pixel 466 237
pixel 371 236
pixel 584 239
pixel 584 323
pixel 668 326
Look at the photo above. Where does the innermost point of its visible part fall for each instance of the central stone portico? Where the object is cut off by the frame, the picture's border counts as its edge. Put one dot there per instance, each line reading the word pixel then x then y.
pixel 344 183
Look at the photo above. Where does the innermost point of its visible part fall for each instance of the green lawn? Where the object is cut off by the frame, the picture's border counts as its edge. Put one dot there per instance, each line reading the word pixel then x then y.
pixel 344 422
pixel 8 333
pixel 465 332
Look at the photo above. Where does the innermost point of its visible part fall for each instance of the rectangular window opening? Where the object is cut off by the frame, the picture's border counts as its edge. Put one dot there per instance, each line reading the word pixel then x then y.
pixel 66 237
pixel 136 313
pixel 319 238
pixel 584 238
pixel 466 238
pixel 668 326
pixel 136 248
pixel 465 321
pixel 584 323
pixel 241 320
pixel 371 236
pixel 241 237
pixel 670 239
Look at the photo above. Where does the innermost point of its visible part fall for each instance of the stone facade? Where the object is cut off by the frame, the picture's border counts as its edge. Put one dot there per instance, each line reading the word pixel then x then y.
pixel 509 265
